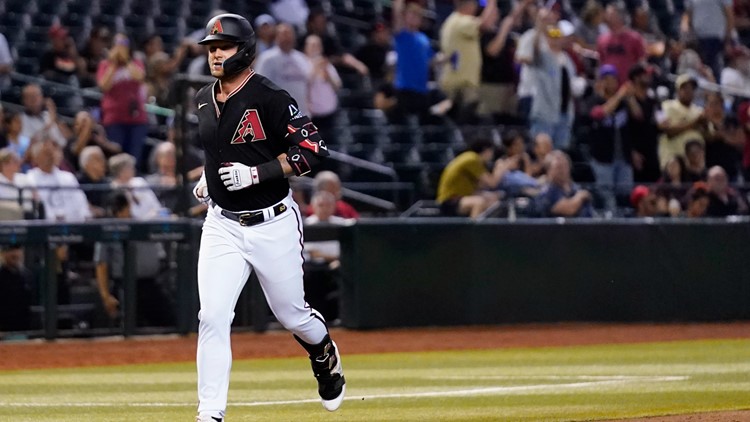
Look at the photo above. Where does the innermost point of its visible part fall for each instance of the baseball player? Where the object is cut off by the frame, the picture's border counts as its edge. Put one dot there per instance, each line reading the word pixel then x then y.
pixel 254 137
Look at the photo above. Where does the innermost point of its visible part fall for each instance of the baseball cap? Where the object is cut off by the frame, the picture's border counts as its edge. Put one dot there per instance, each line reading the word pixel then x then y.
pixel 566 27
pixel 264 19
pixel 607 70
pixel 637 194
pixel 685 78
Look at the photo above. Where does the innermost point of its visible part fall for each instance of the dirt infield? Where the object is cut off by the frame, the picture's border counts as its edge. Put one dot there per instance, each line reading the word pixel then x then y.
pixel 116 351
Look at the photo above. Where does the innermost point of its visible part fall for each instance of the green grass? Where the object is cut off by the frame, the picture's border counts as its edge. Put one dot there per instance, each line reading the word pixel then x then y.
pixel 547 384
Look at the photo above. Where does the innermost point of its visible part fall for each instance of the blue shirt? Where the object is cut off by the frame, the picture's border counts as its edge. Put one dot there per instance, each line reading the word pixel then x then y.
pixel 413 66
pixel 547 199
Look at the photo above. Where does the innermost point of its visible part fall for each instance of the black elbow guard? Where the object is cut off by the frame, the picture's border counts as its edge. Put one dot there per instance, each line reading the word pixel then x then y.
pixel 300 164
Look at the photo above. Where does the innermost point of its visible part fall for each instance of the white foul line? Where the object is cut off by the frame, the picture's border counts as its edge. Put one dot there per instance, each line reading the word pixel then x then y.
pixel 448 393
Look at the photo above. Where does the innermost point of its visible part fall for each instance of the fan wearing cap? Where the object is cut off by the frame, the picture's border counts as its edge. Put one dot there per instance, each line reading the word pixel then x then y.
pixel 551 73
pixel 61 62
pixel 265 25
pixel 610 144
pixel 643 201
pixel 680 120
pixel 254 137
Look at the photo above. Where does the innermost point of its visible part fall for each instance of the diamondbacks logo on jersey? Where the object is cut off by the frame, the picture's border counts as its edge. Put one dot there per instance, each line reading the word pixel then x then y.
pixel 250 125
pixel 217 29
pixel 294 112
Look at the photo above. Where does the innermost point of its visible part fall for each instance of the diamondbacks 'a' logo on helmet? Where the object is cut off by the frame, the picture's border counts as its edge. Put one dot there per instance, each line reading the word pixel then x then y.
pixel 251 126
pixel 217 29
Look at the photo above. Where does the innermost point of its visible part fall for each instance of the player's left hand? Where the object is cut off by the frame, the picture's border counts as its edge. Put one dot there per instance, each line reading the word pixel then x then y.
pixel 236 176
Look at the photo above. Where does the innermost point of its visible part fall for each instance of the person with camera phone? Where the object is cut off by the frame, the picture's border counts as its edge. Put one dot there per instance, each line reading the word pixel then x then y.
pixel 121 79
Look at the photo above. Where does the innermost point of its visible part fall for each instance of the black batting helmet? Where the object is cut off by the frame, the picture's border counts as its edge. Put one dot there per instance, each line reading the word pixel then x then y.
pixel 236 29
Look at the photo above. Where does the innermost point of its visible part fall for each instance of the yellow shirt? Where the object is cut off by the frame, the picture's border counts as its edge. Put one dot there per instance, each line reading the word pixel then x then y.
pixel 459 41
pixel 676 113
pixel 461 176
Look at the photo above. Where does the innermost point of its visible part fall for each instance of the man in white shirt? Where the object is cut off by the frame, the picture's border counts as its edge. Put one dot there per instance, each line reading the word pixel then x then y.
pixel 288 68
pixel 36 118
pixel 58 190
pixel 144 204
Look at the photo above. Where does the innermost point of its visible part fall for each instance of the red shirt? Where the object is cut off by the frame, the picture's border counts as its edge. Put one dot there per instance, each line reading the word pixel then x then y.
pixel 124 103
pixel 622 50
pixel 343 210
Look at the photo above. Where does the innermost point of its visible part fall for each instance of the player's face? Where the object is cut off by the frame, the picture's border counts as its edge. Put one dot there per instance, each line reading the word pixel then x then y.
pixel 218 52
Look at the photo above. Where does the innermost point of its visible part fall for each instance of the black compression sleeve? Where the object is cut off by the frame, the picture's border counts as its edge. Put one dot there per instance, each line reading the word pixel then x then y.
pixel 270 170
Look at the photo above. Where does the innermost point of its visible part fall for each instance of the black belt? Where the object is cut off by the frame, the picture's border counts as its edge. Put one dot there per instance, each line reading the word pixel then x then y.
pixel 251 218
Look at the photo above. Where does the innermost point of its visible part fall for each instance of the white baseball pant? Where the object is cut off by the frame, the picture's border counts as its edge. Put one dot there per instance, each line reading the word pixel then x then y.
pixel 228 253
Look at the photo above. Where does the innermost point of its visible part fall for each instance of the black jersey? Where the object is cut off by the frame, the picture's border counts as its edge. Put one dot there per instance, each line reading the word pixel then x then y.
pixel 251 128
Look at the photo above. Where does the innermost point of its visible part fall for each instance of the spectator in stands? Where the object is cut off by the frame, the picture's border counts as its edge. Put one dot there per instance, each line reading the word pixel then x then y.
pixel 15 290
pixel 698 201
pixel 121 79
pixel 16 141
pixel 6 63
pixel 711 22
pixel 497 93
pixel 86 132
pixel 324 85
pixel 560 197
pixel 153 307
pixel 288 68
pixel 645 24
pixel 610 146
pixel 322 258
pixel 459 41
pixel 328 181
pixel 695 162
pixel 552 72
pixel 590 25
pixel 463 189
pixel 690 62
pixel 317 23
pixel 517 180
pixel 736 75
pixel 642 129
pixel 62 64
pixel 644 202
pixel 376 53
pixel 12 181
pixel 93 175
pixel 542 147
pixel 680 120
pixel 621 46
pixel 166 180
pixel 40 114
pixel 94 51
pixel 671 190
pixel 161 68
pixel 144 204
pixel 265 31
pixel 723 199
pixel 414 58
pixel 723 136
pixel 58 189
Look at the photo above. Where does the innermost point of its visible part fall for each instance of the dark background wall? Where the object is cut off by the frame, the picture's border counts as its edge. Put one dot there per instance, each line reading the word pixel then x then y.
pixel 438 272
